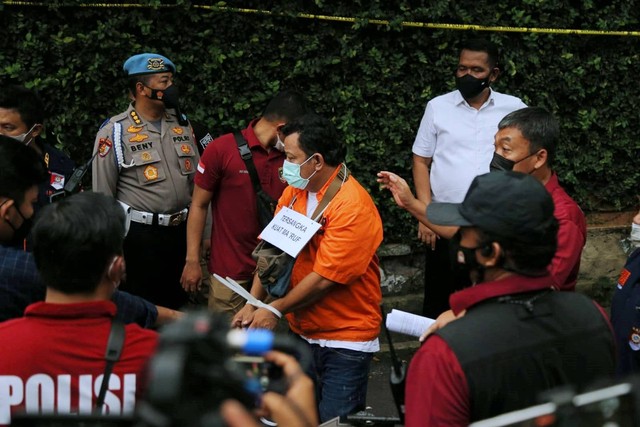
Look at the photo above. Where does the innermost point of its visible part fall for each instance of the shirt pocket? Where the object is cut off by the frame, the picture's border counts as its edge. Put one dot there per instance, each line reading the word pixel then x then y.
pixel 186 154
pixel 148 167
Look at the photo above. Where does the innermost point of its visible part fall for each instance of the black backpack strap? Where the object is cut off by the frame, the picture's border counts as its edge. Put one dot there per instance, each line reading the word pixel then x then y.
pixel 245 153
pixel 112 355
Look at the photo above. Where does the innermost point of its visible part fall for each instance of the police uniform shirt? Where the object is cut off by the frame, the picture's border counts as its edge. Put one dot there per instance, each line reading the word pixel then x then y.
pixel 157 165
pixel 60 168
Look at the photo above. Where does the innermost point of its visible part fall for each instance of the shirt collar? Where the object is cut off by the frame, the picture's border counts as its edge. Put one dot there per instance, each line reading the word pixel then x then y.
pixel 92 309
pixel 552 183
pixel 490 101
pixel 514 284
pixel 250 135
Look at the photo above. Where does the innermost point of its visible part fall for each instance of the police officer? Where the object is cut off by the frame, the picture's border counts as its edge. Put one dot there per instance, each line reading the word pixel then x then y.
pixel 625 314
pixel 147 158
pixel 22 118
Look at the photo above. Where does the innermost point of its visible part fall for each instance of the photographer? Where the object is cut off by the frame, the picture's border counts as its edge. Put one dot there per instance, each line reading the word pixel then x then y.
pixel 295 409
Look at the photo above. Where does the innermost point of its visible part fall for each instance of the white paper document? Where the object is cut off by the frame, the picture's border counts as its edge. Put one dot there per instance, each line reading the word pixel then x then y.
pixel 407 323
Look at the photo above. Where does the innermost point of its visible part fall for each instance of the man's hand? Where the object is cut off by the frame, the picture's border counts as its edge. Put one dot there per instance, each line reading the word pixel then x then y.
pixel 244 317
pixel 442 320
pixel 399 188
pixel 191 276
pixel 427 236
pixel 264 319
pixel 295 409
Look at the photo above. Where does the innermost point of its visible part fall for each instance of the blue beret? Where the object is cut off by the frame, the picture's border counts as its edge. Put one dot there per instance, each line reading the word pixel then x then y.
pixel 148 63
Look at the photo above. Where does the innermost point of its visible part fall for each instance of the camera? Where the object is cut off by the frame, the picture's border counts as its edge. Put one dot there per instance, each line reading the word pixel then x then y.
pixel 200 363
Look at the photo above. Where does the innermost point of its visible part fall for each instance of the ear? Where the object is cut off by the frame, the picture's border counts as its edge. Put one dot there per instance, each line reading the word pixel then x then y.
pixel 139 88
pixel 37 130
pixel 495 73
pixel 116 270
pixel 491 259
pixel 541 158
pixel 4 208
pixel 319 161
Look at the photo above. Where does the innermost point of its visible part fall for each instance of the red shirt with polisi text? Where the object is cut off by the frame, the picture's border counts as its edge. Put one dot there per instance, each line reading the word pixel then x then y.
pixel 53 360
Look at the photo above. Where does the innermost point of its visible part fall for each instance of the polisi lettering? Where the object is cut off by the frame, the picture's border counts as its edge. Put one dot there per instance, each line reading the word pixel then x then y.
pixel 143 146
pixel 181 138
pixel 43 393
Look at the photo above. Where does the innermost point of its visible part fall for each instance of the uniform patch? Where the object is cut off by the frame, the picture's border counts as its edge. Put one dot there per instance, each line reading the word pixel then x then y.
pixel 188 166
pixel 145 156
pixel 104 146
pixel 200 167
pixel 56 181
pixel 177 130
pixel 155 64
pixel 138 137
pixel 185 148
pixel 151 173
pixel 134 117
pixel 206 140
pixel 134 129
pixel 624 276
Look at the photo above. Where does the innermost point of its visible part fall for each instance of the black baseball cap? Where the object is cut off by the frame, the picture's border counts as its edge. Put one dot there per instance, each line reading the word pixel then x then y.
pixel 509 204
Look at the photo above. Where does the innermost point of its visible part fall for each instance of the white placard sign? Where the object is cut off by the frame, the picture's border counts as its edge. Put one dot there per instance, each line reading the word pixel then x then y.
pixel 290 231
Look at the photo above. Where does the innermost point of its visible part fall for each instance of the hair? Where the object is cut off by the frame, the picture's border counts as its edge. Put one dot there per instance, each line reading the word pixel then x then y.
pixel 317 135
pixel 483 45
pixel 25 101
pixel 75 239
pixel 538 126
pixel 529 258
pixel 286 106
pixel 132 82
pixel 20 169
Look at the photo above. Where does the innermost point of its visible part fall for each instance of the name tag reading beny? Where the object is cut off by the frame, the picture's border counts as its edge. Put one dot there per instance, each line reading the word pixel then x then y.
pixel 290 231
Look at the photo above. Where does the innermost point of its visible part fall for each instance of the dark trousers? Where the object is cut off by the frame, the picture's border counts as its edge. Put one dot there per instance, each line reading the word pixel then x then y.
pixel 155 256
pixel 441 279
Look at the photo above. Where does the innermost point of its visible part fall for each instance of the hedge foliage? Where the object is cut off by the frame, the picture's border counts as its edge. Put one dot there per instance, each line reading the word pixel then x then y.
pixel 372 80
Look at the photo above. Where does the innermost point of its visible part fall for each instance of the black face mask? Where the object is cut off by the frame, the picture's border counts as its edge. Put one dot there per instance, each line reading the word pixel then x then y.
pixel 169 96
pixel 171 99
pixel 470 87
pixel 465 260
pixel 20 233
pixel 500 163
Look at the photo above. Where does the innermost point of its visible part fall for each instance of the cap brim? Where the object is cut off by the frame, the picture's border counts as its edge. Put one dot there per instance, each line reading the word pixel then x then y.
pixel 446 214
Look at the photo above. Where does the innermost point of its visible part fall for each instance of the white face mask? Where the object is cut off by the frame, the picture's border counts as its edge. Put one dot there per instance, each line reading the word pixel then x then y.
pixel 23 137
pixel 635 235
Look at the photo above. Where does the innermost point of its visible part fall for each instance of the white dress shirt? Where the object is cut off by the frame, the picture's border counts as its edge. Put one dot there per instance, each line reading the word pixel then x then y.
pixel 459 139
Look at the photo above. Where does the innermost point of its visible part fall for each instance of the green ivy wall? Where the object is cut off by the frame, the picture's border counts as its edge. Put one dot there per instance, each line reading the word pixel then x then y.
pixel 372 80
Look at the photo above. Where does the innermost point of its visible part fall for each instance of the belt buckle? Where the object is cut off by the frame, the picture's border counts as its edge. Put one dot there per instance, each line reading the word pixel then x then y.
pixel 175 219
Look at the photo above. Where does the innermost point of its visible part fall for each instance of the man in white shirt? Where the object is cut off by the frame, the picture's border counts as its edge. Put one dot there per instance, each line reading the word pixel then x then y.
pixel 454 144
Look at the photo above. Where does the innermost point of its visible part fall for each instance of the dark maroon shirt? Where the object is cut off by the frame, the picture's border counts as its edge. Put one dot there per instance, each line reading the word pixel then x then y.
pixel 572 235
pixel 234 228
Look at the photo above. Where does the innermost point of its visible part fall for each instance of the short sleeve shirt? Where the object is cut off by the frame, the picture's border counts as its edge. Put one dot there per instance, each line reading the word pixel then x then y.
pixel 459 140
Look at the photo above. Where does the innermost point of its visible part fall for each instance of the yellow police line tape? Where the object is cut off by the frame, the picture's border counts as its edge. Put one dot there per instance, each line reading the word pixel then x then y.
pixel 382 22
